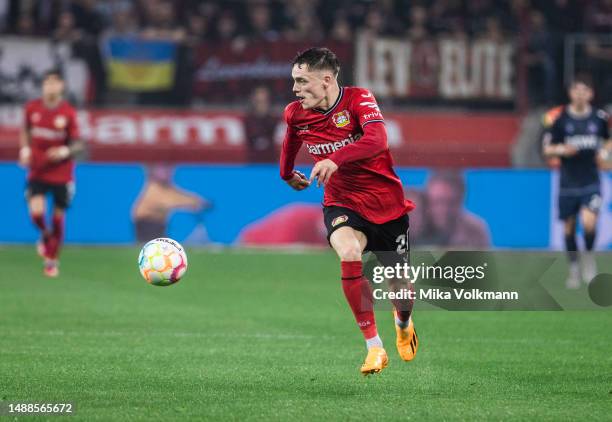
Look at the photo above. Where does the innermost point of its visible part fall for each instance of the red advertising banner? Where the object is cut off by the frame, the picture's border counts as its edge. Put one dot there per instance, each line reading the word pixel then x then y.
pixel 228 71
pixel 448 139
pixel 444 69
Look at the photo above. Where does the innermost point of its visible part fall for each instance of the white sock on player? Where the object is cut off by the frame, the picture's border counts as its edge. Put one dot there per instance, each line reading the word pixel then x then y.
pixel 402 324
pixel 374 342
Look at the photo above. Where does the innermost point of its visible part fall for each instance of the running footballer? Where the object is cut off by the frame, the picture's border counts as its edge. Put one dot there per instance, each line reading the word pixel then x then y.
pixel 49 142
pixel 364 206
pixel 579 138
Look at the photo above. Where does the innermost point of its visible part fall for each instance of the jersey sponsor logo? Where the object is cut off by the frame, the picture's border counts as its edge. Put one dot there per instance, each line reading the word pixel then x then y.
pixel 373 115
pixel 341 119
pixel 47 134
pixel 582 141
pixel 339 220
pixel 60 122
pixel 330 147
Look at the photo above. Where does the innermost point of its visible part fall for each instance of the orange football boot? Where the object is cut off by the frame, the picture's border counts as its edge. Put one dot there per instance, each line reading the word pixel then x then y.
pixel 407 341
pixel 375 362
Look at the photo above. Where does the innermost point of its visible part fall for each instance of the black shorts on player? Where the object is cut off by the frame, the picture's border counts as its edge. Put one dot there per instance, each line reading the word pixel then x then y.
pixel 388 241
pixel 62 193
pixel 570 203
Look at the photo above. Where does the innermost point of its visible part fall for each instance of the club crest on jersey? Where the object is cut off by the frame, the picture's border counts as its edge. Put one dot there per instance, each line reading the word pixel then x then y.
pixel 341 119
pixel 339 220
pixel 60 122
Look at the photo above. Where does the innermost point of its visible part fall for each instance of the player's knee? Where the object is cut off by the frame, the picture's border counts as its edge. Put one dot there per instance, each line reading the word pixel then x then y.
pixel 37 206
pixel 570 227
pixel 349 252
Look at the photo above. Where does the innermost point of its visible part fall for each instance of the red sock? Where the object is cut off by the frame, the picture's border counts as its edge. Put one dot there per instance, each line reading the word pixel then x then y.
pixel 39 221
pixel 56 237
pixel 403 307
pixel 359 296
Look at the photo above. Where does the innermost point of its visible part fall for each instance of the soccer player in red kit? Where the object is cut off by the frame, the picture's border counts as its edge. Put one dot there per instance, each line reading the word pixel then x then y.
pixel 364 206
pixel 49 142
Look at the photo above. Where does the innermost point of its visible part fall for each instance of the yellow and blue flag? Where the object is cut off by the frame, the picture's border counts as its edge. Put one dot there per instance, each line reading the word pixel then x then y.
pixel 135 64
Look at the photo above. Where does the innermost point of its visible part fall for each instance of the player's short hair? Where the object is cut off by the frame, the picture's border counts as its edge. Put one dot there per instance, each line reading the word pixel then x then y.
pixel 581 79
pixel 318 58
pixel 53 72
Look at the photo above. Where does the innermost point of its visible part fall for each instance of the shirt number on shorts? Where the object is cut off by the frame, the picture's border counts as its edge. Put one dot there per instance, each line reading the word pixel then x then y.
pixel 401 244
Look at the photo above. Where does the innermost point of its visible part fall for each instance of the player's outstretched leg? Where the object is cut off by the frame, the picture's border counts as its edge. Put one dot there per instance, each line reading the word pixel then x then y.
pixel 55 242
pixel 573 278
pixel 36 205
pixel 406 338
pixel 589 223
pixel 349 244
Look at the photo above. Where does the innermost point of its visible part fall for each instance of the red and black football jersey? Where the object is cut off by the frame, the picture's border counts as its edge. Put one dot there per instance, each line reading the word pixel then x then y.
pixel 50 127
pixel 365 181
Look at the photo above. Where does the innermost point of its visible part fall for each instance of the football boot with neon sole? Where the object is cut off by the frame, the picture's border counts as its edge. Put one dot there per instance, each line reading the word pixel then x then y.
pixel 375 362
pixel 407 341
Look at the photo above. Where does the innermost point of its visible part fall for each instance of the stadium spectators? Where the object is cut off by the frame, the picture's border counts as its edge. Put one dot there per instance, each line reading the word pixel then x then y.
pixel 259 126
pixel 537 26
pixel 309 20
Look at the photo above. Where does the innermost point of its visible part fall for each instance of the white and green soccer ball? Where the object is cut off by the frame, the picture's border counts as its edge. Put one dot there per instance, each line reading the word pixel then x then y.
pixel 162 261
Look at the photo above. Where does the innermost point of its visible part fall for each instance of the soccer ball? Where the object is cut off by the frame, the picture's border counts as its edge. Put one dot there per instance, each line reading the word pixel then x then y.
pixel 162 261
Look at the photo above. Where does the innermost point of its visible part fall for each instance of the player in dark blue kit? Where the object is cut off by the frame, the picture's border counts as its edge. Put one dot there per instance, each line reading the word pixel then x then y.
pixel 580 138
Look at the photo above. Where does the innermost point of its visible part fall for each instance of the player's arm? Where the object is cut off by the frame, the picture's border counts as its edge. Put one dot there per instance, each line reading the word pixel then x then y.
pixel 75 147
pixel 73 150
pixel 605 156
pixel 25 140
pixel 372 142
pixel 553 145
pixel 25 152
pixel 291 146
pixel 605 153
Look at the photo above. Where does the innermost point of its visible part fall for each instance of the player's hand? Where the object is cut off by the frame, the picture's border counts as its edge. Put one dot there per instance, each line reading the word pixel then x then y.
pixel 58 153
pixel 298 181
pixel 322 171
pixel 567 151
pixel 25 155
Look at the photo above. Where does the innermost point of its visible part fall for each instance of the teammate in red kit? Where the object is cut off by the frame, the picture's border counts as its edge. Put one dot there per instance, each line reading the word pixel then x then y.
pixel 49 142
pixel 364 206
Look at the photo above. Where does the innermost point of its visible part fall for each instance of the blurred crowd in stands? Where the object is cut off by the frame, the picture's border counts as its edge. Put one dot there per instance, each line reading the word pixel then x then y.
pixel 538 26
pixel 311 20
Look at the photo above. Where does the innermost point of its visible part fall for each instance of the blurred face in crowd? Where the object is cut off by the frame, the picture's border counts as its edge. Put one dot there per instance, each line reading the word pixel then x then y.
pixel 260 100
pixel 580 95
pixel 52 87
pixel 444 204
pixel 311 87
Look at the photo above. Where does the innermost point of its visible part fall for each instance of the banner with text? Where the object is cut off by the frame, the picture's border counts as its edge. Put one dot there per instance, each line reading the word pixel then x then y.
pixel 446 69
pixel 449 139
pixel 228 71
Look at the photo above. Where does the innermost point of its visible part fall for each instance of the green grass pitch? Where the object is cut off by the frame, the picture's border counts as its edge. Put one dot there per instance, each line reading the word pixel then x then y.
pixel 261 335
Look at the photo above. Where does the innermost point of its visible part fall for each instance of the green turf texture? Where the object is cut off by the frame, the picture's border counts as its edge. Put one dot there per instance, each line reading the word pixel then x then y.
pixel 261 335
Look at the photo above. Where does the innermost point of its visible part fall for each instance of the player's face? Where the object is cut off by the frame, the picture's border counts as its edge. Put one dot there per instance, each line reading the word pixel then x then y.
pixel 580 94
pixel 309 87
pixel 52 86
